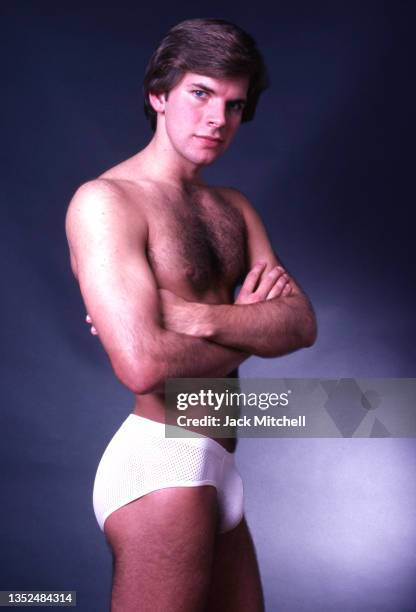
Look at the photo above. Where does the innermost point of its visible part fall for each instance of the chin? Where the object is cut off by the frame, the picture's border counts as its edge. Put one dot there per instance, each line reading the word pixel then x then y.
pixel 207 157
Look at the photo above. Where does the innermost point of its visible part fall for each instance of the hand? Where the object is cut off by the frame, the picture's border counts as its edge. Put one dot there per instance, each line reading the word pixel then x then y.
pixel 276 283
pixel 181 316
pixel 89 321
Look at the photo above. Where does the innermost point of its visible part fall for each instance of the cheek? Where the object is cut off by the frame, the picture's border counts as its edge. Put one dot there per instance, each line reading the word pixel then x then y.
pixel 190 115
pixel 182 119
pixel 233 128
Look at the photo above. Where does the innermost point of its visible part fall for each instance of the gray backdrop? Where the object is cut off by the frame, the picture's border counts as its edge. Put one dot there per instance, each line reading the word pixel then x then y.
pixel 327 164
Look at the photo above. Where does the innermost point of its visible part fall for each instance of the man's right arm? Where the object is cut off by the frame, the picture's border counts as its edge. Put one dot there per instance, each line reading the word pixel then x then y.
pixel 107 238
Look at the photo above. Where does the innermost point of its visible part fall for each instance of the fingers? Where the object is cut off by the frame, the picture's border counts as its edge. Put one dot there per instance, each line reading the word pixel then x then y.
pixel 251 280
pixel 282 286
pixel 93 329
pixel 273 282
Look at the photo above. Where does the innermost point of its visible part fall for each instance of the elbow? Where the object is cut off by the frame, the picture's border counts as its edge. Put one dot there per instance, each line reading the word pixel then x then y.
pixel 302 337
pixel 142 377
pixel 310 332
pixel 307 330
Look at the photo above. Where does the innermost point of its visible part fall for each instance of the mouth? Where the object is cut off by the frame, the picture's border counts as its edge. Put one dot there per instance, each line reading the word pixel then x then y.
pixel 210 140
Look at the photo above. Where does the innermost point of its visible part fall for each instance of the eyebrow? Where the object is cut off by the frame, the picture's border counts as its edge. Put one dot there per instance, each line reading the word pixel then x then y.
pixel 212 91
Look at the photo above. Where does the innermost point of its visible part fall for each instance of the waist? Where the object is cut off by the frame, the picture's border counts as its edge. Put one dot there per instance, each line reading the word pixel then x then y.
pixel 152 407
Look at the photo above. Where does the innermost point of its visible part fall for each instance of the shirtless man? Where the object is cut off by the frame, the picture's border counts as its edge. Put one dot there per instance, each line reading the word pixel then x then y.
pixel 158 254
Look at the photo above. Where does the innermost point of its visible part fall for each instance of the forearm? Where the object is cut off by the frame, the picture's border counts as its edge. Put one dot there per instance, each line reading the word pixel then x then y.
pixel 188 356
pixel 173 355
pixel 268 329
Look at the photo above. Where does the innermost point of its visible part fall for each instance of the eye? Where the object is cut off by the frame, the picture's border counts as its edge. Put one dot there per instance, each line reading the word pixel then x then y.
pixel 236 106
pixel 198 93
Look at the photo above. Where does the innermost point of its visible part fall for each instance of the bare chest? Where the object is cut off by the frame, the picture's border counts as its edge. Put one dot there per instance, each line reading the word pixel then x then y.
pixel 198 244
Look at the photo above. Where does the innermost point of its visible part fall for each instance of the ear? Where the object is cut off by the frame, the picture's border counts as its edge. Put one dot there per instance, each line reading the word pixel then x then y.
pixel 158 101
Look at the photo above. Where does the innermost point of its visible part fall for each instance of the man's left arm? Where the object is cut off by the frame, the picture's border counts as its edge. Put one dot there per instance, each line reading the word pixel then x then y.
pixel 267 328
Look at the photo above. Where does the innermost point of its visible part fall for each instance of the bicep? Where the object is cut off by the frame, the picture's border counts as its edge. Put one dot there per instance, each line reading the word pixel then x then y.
pixel 115 279
pixel 259 247
pixel 121 298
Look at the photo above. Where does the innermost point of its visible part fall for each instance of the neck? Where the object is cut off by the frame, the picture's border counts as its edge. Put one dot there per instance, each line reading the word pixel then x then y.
pixel 164 163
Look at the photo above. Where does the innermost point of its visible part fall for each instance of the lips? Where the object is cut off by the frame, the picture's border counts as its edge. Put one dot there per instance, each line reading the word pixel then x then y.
pixel 209 139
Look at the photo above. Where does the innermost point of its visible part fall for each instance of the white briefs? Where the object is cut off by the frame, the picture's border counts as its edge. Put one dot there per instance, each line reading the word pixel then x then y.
pixel 139 459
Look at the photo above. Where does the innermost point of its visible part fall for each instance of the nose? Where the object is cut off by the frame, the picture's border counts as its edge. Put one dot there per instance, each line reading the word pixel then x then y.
pixel 216 115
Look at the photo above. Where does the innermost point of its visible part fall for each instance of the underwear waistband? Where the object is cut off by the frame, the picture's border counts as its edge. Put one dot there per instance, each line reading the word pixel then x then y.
pixel 158 429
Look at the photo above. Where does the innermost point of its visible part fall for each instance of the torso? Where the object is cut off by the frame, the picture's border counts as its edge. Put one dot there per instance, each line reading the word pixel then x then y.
pixel 196 247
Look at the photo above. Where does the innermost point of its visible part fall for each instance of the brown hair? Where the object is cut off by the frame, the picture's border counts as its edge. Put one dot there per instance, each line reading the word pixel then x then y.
pixel 212 47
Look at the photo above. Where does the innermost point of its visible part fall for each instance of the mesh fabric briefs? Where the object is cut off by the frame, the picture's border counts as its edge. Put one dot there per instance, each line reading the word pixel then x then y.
pixel 139 459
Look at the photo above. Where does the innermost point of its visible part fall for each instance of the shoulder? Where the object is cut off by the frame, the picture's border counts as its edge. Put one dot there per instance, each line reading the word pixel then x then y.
pixel 236 198
pixel 94 197
pixel 232 196
pixel 103 201
pixel 98 194
pixel 104 219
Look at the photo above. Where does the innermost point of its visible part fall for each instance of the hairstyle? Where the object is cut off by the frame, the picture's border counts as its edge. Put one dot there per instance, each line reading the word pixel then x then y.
pixel 212 47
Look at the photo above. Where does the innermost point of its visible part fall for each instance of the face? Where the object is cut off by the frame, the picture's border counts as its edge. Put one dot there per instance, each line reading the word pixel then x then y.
pixel 201 115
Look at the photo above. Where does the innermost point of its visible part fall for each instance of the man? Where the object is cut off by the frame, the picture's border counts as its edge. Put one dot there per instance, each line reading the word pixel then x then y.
pixel 158 255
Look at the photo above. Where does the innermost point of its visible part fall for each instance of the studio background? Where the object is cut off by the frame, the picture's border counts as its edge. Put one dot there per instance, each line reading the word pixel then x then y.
pixel 327 163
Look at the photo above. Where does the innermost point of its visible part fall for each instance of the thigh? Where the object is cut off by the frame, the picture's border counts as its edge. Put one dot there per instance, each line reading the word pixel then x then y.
pixel 162 546
pixel 236 585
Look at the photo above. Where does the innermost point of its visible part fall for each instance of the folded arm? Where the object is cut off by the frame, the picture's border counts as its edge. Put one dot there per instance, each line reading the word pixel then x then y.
pixel 267 328
pixel 107 236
